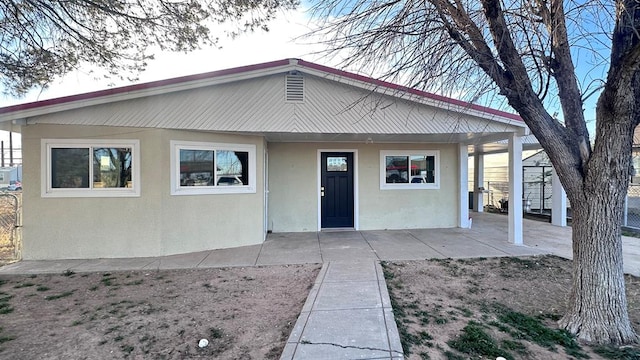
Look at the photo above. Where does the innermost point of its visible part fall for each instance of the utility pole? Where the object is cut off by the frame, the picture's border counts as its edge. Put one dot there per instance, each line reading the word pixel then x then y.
pixel 10 149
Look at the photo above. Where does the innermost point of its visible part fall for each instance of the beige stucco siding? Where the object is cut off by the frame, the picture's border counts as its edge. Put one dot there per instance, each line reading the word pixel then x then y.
pixel 407 209
pixel 293 189
pixel 214 221
pixel 155 223
pixel 293 194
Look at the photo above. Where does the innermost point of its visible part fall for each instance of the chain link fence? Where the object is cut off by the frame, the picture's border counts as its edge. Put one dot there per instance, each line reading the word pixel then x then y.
pixel 10 242
pixel 536 193
pixel 496 196
pixel 632 209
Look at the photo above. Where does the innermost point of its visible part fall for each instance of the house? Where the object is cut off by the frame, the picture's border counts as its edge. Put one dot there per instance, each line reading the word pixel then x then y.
pixel 220 159
pixel 536 175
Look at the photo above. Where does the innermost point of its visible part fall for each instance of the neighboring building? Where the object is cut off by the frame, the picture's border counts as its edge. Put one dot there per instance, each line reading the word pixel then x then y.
pixel 218 160
pixel 9 175
pixel 537 173
pixel 537 184
pixel 635 179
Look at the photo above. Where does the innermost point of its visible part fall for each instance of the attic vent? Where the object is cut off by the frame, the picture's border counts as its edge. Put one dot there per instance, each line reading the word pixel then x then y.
pixel 294 87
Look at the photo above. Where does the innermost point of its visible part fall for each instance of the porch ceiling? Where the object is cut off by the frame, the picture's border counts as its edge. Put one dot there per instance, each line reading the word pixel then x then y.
pixel 478 142
pixel 529 142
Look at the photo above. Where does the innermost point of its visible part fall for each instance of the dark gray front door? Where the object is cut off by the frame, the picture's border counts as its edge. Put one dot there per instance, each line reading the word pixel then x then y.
pixel 336 191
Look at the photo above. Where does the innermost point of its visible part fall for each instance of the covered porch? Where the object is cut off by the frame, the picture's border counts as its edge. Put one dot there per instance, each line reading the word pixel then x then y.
pixel 487 237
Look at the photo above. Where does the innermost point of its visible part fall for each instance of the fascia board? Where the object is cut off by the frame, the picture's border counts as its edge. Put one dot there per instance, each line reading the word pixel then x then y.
pixel 136 94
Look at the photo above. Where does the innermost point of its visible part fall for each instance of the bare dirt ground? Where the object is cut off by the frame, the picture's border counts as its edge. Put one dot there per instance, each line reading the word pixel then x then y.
pixel 485 308
pixel 445 309
pixel 244 313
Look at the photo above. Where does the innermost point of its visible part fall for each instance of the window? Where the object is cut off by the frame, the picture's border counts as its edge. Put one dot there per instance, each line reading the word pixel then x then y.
pixel 209 168
pixel 414 169
pixel 337 163
pixel 90 168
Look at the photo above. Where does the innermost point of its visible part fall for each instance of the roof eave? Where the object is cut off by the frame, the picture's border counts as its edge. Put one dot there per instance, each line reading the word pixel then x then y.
pixel 161 87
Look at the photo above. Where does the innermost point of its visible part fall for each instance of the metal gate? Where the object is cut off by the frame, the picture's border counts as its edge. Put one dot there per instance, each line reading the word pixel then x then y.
pixel 10 243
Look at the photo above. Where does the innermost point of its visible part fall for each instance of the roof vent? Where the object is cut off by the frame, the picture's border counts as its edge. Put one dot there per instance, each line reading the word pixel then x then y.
pixel 294 87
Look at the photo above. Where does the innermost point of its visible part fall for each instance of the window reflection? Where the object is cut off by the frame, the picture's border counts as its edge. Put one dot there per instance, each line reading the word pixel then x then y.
pixel 214 168
pixel 415 169
pixel 197 167
pixel 337 163
pixel 70 168
pixel 111 167
pixel 233 168
pixel 397 169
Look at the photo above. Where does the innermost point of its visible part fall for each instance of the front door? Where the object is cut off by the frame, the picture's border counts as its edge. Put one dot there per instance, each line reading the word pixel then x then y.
pixel 336 189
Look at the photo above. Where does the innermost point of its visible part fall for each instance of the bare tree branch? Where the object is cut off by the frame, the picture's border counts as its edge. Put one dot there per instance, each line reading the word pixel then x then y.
pixel 42 39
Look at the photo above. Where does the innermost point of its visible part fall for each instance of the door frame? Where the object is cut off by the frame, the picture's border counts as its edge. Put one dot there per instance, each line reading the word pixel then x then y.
pixel 265 182
pixel 356 202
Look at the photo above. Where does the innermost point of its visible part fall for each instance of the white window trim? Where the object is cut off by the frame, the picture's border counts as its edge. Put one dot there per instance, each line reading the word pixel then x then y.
pixel 406 186
pixel 48 191
pixel 176 189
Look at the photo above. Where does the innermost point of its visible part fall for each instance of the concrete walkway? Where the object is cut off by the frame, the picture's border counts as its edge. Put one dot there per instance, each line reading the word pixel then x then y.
pixel 348 313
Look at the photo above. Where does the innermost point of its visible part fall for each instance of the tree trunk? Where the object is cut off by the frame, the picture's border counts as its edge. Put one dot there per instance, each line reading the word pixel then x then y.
pixel 597 310
pixel 597 305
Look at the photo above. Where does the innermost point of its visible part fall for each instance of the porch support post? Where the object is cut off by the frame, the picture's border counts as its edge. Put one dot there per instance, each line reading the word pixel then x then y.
pixel 515 189
pixel 478 182
pixel 463 186
pixel 559 206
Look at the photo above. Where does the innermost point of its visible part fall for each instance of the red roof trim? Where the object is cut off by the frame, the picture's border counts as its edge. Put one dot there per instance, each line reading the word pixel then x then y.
pixel 248 68
pixel 410 90
pixel 142 86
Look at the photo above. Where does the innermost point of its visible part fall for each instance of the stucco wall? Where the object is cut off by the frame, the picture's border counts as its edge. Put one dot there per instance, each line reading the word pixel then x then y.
pixel 408 209
pixel 293 194
pixel 293 189
pixel 155 223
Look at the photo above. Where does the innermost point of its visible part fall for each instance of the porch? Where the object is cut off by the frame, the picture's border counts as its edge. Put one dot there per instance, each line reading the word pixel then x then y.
pixel 487 237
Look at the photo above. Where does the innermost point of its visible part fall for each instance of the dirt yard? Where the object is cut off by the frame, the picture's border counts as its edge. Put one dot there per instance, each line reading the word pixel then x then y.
pixel 485 308
pixel 244 313
pixel 445 309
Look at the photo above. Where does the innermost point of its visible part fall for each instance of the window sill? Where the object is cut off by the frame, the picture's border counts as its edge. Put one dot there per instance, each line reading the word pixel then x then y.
pixel 90 194
pixel 409 187
pixel 214 191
